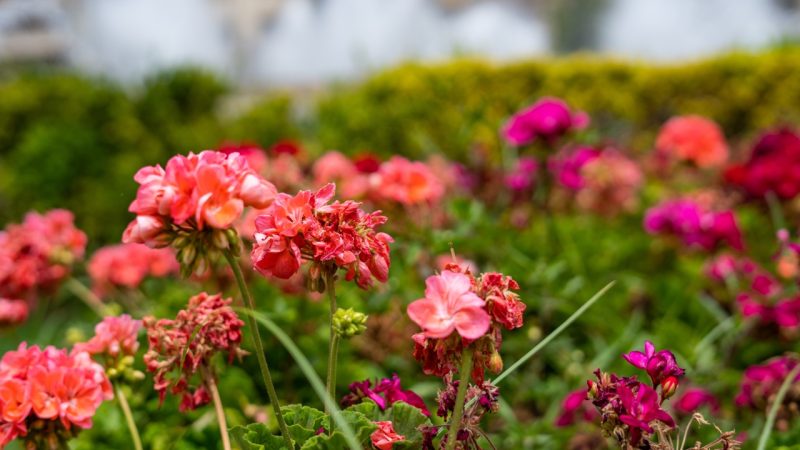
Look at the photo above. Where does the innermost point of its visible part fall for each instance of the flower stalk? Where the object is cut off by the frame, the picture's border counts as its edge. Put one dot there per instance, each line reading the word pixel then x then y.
pixel 126 411
pixel 333 346
pixel 458 411
pixel 211 385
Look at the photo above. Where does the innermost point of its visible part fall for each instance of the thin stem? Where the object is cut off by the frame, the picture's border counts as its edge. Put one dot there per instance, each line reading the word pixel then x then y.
pixel 88 297
pixel 262 359
pixel 458 411
pixel 126 411
pixel 211 384
pixel 776 404
pixel 333 346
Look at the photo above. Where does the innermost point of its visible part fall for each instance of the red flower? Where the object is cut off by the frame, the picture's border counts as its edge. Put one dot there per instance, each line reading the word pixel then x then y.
pixel 384 437
pixel 774 166
pixel 13 312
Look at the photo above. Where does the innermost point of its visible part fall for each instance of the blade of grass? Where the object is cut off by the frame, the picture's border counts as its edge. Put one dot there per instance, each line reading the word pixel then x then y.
pixel 773 410
pixel 538 347
pixel 311 375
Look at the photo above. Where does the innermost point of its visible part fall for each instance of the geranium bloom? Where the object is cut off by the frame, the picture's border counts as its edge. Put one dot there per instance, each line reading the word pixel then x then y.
pixel 547 119
pixel 331 235
pixel 575 407
pixel 209 189
pixel 407 182
pixel 693 224
pixel 774 166
pixel 522 176
pixel 567 167
pixel 640 409
pixel 255 155
pixel 450 305
pixel 334 167
pixel 38 253
pixel 659 365
pixel 186 345
pixel 695 139
pixel 609 183
pixel 761 382
pixel 384 437
pixel 63 389
pixel 693 399
pixel 13 312
pixel 114 336
pixel 127 265
pixel 386 392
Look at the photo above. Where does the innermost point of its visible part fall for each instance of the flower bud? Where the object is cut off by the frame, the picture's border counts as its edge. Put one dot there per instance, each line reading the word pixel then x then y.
pixel 220 239
pixel 591 392
pixel 668 387
pixel 495 362
pixel 348 323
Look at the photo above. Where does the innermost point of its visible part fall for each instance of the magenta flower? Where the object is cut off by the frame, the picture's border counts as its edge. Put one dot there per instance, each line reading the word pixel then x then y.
pixel 761 382
pixel 658 365
pixel 548 119
pixel 387 391
pixel 576 407
pixel 693 224
pixel 523 176
pixel 641 409
pixel 567 168
pixel 449 305
pixel 695 398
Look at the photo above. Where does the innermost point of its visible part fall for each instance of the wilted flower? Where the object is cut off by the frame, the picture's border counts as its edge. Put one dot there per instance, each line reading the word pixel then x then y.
pixel 331 235
pixel 659 365
pixel 386 392
pixel 774 166
pixel 640 409
pixel 384 437
pixel 186 345
pixel 127 265
pixel 547 119
pixel 13 312
pixel 694 139
pixel 480 399
pixel 693 224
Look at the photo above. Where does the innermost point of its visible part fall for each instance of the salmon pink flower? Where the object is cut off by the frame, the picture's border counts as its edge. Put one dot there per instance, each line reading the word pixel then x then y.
pixel 127 265
pixel 694 139
pixel 450 305
pixel 407 182
pixel 334 167
pixel 114 336
pixel 13 312
pixel 547 119
pixel 659 365
pixel 384 437
pixel 610 183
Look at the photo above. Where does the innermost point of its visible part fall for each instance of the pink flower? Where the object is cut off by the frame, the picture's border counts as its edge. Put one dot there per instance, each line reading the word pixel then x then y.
pixel 114 336
pixel 449 305
pixel 610 183
pixel 693 399
pixel 522 176
pixel 407 182
pixel 186 345
pixel 127 265
pixel 761 382
pixel 659 365
pixel 386 392
pixel 334 167
pixel 693 224
pixel 567 167
pixel 641 408
pixel 255 155
pixel 13 312
pixel 694 139
pixel 384 437
pixel 575 407
pixel 548 119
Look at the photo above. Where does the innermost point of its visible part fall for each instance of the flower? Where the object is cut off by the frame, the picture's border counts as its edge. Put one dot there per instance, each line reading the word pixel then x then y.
pixel 331 235
pixel 386 392
pixel 609 183
pixel 127 265
pixel 567 167
pixel 575 407
pixel 641 408
pixel 694 139
pixel 547 119
pixel 693 224
pixel 693 399
pixel 384 437
pixel 449 305
pixel 114 336
pixel 13 312
pixel 761 382
pixel 522 176
pixel 407 182
pixel 659 365
pixel 773 166
pixel 334 167
pixel 186 344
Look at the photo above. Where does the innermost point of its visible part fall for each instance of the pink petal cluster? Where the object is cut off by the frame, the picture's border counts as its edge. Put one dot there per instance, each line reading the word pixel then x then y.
pixel 208 189
pixel 547 119
pixel 335 167
pixel 386 392
pixel 659 365
pixel 13 312
pixel 574 407
pixel 114 336
pixel 384 437
pixel 127 265
pixel 52 385
pixel 693 399
pixel 181 348
pixel 694 225
pixel 761 382
pixel 522 177
pixel 331 235
pixel 38 253
pixel 567 167
pixel 476 309
pixel 407 182
pixel 773 166
pixel 726 266
pixel 610 183
pixel 694 139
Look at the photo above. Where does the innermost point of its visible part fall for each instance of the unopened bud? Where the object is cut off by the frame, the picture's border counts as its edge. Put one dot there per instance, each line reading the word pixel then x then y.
pixel 187 255
pixel 348 323
pixel 495 362
pixel 668 387
pixel 220 239
pixel 591 392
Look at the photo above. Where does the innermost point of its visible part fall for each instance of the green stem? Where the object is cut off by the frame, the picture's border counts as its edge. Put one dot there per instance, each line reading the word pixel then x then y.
pixel 458 411
pixel 262 359
pixel 126 410
pixel 333 346
pixel 776 405
pixel 88 297
pixel 211 385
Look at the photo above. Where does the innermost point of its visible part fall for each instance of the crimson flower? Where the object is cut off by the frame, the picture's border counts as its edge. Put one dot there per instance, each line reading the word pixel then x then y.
pixel 386 392
pixel 658 365
pixel 641 408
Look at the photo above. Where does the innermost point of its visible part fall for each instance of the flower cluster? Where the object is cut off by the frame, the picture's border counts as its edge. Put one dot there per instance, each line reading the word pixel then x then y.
pixel 694 139
pixel 774 166
pixel 694 225
pixel 761 382
pixel 384 437
pixel 331 235
pixel 127 265
pixel 47 394
pixel 386 392
pixel 477 309
pixel 13 312
pixel 181 348
pixel 480 400
pixel 192 201
pixel 114 336
pixel 38 253
pixel 548 119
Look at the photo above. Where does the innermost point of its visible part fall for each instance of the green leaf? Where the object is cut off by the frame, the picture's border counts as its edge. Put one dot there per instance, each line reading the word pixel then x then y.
pixel 362 426
pixel 406 420
pixel 303 421
pixel 369 409
pixel 256 436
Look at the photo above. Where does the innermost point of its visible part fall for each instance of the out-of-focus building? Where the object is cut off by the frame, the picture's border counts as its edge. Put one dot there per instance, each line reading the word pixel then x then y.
pixel 33 31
